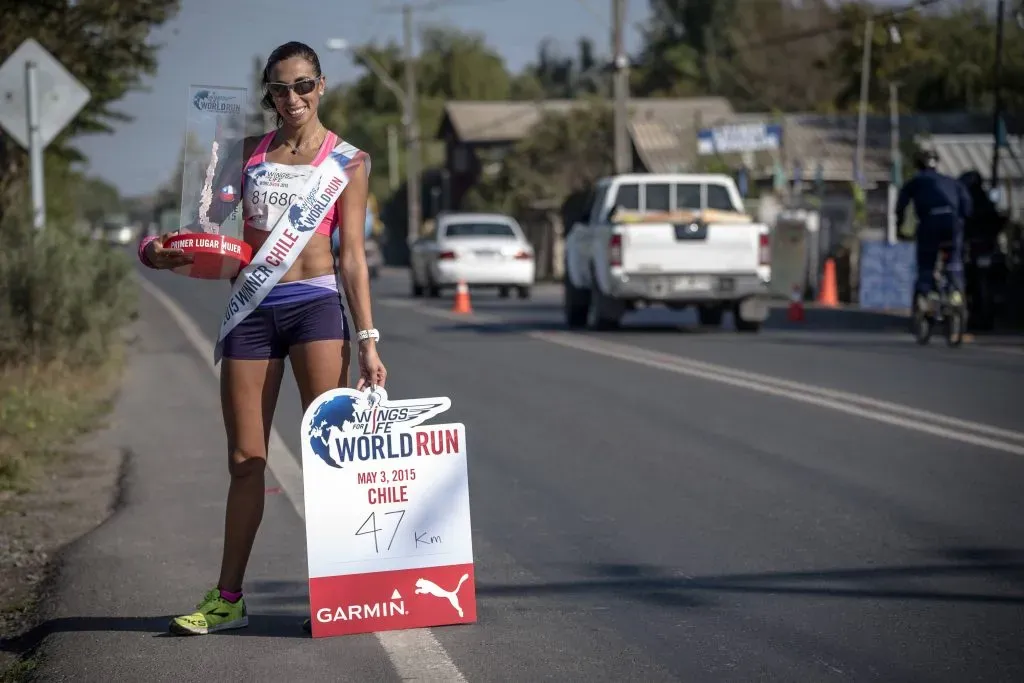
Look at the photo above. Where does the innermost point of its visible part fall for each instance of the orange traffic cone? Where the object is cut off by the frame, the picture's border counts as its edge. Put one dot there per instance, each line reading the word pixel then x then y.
pixel 462 304
pixel 828 295
pixel 796 306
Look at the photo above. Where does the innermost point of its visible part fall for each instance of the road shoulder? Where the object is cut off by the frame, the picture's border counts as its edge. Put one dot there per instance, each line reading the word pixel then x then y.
pixel 73 495
pixel 115 588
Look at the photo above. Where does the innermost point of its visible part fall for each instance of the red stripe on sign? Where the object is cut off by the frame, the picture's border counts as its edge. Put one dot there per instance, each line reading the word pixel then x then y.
pixel 389 601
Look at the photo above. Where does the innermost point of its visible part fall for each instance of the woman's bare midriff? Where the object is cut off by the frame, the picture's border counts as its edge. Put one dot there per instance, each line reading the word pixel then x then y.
pixel 315 260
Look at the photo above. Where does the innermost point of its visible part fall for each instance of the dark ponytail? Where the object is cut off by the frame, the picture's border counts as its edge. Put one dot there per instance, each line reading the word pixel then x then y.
pixel 281 53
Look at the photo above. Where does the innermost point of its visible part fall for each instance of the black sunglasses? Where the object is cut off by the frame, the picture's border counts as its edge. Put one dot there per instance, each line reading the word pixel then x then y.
pixel 303 87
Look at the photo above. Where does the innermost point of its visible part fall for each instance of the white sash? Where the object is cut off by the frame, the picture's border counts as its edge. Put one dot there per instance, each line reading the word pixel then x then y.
pixel 289 237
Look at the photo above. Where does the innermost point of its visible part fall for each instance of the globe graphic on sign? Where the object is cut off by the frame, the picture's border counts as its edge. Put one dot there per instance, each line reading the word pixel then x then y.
pixel 330 418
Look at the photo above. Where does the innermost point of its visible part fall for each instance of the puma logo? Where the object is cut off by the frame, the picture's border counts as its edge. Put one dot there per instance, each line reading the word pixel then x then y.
pixel 425 586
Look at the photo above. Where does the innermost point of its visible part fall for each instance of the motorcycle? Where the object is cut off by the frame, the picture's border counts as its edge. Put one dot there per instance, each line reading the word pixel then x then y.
pixel 986 270
pixel 985 279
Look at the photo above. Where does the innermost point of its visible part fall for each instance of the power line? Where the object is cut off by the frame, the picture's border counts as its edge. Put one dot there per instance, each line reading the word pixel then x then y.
pixel 841 26
pixel 434 5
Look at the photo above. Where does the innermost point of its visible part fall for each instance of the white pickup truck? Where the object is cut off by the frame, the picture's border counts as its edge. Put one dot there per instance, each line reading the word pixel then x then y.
pixel 673 239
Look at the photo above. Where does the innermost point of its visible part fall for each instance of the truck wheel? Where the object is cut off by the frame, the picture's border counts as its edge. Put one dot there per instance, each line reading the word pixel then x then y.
pixel 709 316
pixel 756 313
pixel 576 302
pixel 747 326
pixel 604 313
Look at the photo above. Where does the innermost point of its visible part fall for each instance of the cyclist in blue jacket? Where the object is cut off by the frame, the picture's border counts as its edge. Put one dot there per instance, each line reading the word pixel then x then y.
pixel 942 205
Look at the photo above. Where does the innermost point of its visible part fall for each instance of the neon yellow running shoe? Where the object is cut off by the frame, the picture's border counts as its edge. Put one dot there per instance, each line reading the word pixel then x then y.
pixel 213 614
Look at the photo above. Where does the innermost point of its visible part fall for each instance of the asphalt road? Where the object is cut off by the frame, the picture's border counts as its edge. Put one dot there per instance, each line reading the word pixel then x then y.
pixel 655 503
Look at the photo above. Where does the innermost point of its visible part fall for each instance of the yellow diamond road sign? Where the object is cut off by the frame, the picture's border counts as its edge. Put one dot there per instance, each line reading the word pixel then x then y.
pixel 61 95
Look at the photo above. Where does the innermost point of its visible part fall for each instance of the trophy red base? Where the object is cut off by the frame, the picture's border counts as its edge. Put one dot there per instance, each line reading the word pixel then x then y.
pixel 215 257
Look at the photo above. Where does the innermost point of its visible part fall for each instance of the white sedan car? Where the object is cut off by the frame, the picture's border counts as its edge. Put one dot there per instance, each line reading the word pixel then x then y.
pixel 480 249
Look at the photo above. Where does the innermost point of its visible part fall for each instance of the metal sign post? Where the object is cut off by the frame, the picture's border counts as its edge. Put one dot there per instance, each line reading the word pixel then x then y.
pixel 35 147
pixel 38 99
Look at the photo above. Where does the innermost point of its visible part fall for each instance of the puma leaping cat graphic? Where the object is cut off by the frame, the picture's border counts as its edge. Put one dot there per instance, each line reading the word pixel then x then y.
pixel 425 586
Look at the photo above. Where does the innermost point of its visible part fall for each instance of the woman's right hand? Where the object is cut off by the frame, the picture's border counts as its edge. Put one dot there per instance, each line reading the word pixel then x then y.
pixel 163 258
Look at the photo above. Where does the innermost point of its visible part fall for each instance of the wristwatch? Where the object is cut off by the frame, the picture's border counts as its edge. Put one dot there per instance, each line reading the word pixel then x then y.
pixel 369 334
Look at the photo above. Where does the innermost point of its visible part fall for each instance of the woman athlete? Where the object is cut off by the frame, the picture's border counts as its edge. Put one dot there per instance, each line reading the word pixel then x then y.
pixel 301 317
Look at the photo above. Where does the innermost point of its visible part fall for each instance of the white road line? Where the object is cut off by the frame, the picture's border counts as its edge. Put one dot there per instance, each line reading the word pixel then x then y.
pixel 895 414
pixel 879 404
pixel 415 653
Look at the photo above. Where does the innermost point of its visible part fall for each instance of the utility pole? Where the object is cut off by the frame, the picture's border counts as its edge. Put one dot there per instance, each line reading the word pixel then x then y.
pixel 862 117
pixel 623 153
pixel 894 151
pixel 997 114
pixel 412 130
pixel 393 156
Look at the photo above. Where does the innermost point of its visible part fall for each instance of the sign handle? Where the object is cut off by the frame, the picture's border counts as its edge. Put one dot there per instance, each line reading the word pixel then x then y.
pixel 35 145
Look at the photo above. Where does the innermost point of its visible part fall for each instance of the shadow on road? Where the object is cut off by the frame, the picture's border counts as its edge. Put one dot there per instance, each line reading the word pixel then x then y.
pixel 260 625
pixel 281 607
pixel 648 583
pixel 874 583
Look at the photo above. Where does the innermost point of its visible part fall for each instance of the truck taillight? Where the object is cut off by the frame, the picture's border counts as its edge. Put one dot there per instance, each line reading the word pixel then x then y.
pixel 615 251
pixel 446 256
pixel 765 250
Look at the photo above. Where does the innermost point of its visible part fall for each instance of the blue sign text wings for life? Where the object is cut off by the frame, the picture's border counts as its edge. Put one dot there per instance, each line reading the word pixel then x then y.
pixel 346 413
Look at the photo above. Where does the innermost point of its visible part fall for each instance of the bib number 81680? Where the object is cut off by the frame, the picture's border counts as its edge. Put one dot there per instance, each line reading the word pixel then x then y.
pixel 275 198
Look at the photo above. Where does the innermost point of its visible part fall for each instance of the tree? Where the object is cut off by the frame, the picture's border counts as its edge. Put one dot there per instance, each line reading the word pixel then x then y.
pixel 944 60
pixel 452 65
pixel 103 44
pixel 460 66
pixel 762 70
pixel 558 76
pixel 564 154
pixel 682 42
pixel 96 199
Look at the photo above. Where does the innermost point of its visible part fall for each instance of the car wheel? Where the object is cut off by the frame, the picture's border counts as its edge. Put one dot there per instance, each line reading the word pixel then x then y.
pixel 523 292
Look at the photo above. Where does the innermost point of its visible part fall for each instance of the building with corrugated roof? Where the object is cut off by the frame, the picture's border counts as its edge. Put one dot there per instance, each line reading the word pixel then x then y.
pixel 961 153
pixel 663 134
pixel 477 135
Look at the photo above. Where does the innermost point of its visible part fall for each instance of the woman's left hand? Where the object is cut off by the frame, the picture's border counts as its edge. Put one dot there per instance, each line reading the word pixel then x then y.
pixel 372 372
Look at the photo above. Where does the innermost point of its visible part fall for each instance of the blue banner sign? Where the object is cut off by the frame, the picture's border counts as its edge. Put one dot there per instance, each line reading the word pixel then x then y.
pixel 887 275
pixel 740 137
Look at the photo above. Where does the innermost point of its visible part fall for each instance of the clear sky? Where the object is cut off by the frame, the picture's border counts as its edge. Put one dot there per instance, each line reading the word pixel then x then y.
pixel 212 42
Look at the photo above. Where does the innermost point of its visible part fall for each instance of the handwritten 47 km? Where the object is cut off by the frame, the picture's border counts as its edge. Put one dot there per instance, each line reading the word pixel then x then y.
pixel 421 538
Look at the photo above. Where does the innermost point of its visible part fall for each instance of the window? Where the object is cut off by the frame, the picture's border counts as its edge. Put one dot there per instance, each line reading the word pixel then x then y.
pixel 628 197
pixel 719 199
pixel 479 230
pixel 688 197
pixel 658 197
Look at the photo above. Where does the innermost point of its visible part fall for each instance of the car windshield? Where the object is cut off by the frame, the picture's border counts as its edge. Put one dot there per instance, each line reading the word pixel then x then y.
pixel 479 230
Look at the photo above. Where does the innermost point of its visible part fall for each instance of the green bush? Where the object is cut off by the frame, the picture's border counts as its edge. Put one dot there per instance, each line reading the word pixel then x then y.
pixel 63 297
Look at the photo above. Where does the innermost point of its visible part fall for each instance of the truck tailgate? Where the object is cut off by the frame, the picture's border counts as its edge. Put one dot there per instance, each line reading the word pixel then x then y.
pixel 690 247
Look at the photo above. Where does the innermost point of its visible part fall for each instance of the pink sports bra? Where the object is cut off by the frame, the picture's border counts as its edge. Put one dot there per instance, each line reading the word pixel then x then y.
pixel 269 188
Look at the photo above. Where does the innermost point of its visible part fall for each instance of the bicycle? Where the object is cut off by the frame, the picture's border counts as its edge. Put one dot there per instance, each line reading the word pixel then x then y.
pixel 945 306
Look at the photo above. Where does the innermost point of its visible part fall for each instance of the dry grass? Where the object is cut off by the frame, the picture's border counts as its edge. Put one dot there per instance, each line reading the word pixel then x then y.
pixel 43 409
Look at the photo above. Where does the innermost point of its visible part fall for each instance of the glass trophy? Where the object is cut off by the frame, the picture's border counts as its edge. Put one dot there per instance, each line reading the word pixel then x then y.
pixel 211 201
